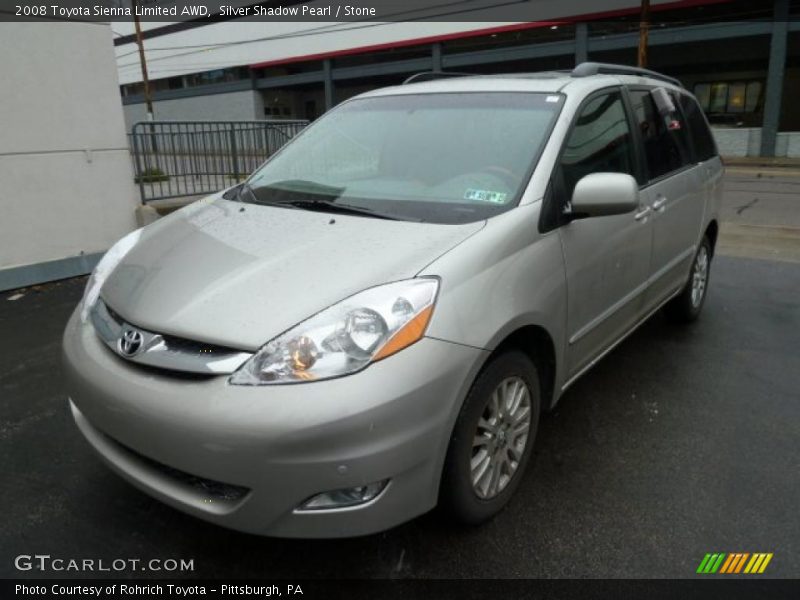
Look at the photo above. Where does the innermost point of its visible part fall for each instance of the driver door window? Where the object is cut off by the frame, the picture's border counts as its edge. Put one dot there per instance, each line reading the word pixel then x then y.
pixel 600 142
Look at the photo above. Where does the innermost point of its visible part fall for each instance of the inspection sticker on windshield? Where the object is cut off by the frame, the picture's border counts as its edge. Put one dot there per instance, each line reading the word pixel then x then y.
pixel 485 196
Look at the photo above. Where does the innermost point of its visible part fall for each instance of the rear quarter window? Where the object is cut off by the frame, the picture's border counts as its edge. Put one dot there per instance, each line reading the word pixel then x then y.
pixel 702 139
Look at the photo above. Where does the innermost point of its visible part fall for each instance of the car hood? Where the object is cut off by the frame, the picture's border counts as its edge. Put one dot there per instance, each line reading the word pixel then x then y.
pixel 237 275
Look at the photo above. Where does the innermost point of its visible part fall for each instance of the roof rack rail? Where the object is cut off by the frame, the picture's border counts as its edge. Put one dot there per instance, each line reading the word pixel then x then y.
pixel 592 68
pixel 433 76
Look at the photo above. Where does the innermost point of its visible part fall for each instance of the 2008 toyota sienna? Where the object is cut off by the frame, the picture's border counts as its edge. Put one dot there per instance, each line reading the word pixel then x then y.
pixel 372 323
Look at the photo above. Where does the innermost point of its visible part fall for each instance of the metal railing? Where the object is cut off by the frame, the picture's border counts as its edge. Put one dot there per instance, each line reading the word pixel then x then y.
pixel 173 159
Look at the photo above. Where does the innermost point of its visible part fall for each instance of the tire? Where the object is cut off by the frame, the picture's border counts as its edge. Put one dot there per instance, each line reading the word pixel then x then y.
pixel 686 306
pixel 499 444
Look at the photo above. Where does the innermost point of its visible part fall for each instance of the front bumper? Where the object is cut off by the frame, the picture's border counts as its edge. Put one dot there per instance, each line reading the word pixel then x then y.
pixel 278 445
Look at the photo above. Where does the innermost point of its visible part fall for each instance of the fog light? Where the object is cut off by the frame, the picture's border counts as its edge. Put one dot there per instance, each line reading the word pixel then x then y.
pixel 346 497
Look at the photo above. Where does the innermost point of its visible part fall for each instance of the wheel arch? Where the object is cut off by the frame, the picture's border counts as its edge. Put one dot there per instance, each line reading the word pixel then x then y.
pixel 537 343
pixel 712 233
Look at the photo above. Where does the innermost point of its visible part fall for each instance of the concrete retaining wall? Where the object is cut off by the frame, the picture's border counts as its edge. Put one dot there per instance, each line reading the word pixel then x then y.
pixel 746 141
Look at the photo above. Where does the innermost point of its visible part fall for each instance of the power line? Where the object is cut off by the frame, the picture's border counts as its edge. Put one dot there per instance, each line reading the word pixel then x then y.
pixel 312 31
pixel 336 28
pixel 327 29
pixel 331 29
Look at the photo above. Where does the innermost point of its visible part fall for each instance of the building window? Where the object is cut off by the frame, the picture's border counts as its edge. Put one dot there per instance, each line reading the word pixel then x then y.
pixel 132 89
pixel 734 97
pixel 753 96
pixel 719 98
pixel 195 79
pixel 311 109
pixel 277 111
pixel 736 93
pixel 703 93
pixel 175 83
pixel 217 76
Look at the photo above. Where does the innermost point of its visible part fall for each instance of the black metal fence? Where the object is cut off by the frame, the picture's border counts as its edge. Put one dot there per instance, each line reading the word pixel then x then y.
pixel 189 158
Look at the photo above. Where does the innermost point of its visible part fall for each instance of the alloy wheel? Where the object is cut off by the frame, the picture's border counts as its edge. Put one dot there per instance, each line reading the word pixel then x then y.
pixel 699 276
pixel 500 439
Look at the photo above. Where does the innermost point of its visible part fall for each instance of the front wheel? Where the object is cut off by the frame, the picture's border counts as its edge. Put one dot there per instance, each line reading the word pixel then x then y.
pixel 492 439
pixel 686 306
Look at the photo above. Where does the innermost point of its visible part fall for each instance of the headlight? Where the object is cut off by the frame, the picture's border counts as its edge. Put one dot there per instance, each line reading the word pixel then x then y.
pixel 346 337
pixel 104 268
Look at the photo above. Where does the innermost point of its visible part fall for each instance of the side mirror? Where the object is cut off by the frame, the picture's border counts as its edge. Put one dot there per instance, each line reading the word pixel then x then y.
pixel 604 194
pixel 663 101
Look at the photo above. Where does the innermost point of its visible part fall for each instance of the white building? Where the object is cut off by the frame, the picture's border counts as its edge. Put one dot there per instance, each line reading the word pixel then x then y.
pixel 67 181
pixel 741 58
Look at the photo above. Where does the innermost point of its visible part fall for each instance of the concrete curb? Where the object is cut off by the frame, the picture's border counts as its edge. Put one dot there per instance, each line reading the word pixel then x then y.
pixel 763 172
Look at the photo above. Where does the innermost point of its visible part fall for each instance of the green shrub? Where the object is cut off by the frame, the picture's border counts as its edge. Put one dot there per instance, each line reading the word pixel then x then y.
pixel 152 175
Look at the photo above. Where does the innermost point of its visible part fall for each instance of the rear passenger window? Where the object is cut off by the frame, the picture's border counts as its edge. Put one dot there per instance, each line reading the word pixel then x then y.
pixel 600 142
pixel 665 139
pixel 676 123
pixel 704 145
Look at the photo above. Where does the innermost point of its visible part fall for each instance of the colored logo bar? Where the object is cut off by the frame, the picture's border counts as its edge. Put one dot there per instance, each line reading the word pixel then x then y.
pixel 735 562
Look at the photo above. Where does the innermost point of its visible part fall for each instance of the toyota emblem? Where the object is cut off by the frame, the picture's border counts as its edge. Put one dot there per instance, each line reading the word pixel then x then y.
pixel 130 342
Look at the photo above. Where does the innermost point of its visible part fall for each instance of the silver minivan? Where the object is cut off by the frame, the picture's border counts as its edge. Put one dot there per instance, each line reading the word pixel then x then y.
pixel 373 322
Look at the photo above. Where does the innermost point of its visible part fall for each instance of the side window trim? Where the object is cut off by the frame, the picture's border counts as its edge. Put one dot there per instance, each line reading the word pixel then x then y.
pixel 641 160
pixel 665 176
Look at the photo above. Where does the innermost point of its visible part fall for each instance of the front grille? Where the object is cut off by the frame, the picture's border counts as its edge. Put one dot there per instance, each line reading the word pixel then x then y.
pixel 165 352
pixel 180 344
pixel 199 349
pixel 166 372
pixel 207 487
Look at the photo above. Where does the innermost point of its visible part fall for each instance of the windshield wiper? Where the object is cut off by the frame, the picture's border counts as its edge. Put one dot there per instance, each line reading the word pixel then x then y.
pixel 246 193
pixel 338 207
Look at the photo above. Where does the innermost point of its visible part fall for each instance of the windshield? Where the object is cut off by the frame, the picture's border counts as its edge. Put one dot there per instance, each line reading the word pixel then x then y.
pixel 442 158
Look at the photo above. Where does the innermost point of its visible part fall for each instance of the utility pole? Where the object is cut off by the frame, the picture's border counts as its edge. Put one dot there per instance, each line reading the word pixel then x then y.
pixel 148 98
pixel 644 30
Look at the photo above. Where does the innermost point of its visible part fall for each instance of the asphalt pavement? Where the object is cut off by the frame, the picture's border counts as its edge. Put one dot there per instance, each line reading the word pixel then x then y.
pixel 683 441
pixel 761 214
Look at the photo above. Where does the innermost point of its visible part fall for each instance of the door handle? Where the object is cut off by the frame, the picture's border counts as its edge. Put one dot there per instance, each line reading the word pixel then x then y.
pixel 660 203
pixel 642 214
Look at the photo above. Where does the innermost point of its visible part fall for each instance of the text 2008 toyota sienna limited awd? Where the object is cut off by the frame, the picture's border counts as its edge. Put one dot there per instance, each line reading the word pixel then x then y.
pixel 374 321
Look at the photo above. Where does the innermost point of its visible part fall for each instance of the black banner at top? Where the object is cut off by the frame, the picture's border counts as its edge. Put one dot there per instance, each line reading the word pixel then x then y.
pixel 496 11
